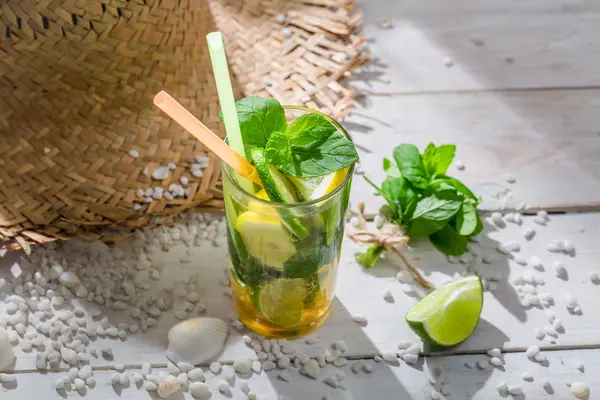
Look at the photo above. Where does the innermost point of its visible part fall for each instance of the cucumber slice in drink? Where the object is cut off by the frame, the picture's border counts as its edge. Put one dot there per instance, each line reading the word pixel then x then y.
pixel 279 190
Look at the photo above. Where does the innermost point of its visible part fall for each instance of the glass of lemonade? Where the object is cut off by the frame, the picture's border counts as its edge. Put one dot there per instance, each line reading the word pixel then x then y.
pixel 284 256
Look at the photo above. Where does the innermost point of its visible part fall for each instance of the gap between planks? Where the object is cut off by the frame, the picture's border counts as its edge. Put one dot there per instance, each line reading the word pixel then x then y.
pixel 363 92
pixel 357 357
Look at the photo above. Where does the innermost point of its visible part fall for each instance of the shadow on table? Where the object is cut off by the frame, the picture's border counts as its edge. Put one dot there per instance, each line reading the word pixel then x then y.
pixel 382 383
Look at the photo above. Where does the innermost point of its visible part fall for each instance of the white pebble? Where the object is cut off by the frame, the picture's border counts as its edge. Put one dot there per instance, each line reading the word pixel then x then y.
pixel 243 365
pixel 85 372
pixel 594 277
pixel 405 277
pixel 515 390
pixel 224 388
pixel 483 364
pixel 570 300
pixel 494 352
pixel 200 390
pixel 535 262
pixel 502 388
pixel 496 218
pixel 284 376
pixel 133 153
pixel 151 386
pixel 496 361
pixel 410 358
pixel 59 384
pixel 559 270
pixel 528 233
pixel 79 384
pixel 568 247
pixel 269 365
pixel 360 319
pixel 532 351
pixel 580 390
pixel 387 296
pixel 311 369
pixel 540 358
pixel 160 173
pixel 539 333
pixel 526 376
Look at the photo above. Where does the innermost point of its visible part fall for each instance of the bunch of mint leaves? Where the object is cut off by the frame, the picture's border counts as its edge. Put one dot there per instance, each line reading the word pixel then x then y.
pixel 310 146
pixel 425 201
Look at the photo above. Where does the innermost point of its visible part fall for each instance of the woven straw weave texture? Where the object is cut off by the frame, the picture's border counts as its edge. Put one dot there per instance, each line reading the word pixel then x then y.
pixel 79 136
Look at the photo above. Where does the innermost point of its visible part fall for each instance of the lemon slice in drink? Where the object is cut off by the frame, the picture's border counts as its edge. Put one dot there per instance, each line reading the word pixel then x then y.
pixel 265 239
pixel 260 207
pixel 315 188
pixel 281 301
pixel 450 314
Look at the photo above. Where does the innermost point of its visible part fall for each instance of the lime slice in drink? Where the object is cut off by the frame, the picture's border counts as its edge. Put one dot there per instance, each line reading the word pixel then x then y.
pixel 265 239
pixel 281 301
pixel 277 187
pixel 448 315
pixel 279 190
pixel 315 188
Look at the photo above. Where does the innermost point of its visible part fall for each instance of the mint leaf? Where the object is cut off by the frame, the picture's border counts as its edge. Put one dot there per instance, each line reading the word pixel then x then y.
pixel 279 150
pixel 432 212
pixel 449 242
pixel 259 118
pixel 458 185
pixel 335 153
pixel 390 168
pixel 398 191
pixel 309 131
pixel 466 219
pixel 411 165
pixel 438 159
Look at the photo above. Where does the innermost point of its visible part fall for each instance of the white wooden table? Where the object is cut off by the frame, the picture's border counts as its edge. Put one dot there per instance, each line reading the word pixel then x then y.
pixel 521 98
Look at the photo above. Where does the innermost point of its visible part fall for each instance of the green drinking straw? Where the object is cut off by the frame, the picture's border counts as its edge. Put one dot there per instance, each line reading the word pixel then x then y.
pixel 216 48
pixel 225 91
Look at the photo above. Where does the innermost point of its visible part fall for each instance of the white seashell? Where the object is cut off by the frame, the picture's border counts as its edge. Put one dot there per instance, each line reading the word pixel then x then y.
pixel 196 340
pixel 169 386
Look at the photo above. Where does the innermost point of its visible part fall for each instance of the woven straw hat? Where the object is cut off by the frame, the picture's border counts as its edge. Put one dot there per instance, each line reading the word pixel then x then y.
pixel 79 137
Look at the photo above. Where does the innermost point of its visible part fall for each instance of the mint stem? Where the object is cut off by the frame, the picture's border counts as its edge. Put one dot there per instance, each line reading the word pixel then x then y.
pixel 370 257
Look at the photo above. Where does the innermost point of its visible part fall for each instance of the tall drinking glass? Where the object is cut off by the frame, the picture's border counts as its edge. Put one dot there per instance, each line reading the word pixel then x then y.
pixel 283 278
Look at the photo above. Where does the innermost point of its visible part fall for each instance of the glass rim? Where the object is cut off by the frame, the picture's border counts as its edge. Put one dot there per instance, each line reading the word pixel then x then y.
pixel 329 195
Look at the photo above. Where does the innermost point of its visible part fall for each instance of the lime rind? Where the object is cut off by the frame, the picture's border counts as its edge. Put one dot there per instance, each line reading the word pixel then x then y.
pixel 279 190
pixel 450 314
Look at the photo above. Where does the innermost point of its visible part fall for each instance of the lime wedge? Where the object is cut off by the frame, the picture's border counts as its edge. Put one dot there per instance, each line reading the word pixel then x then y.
pixel 315 188
pixel 281 301
pixel 265 239
pixel 279 190
pixel 448 315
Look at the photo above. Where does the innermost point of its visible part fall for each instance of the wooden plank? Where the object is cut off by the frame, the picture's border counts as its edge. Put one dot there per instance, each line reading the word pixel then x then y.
pixel 385 382
pixel 504 323
pixel 490 46
pixel 548 140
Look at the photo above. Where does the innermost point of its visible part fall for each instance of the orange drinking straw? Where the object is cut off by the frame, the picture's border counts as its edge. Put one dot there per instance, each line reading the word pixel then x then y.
pixel 183 117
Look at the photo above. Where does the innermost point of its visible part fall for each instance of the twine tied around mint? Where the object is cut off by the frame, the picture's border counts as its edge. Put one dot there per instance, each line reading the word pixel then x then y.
pixel 390 238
